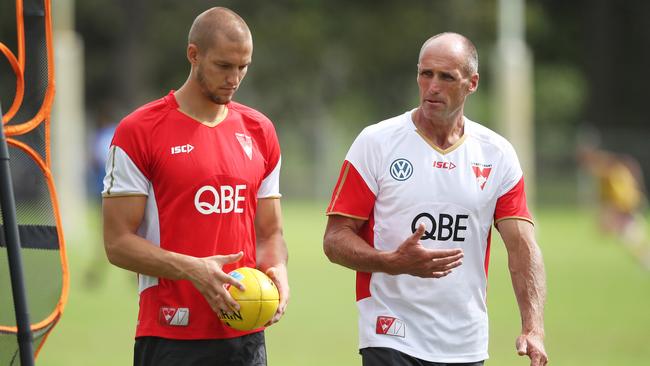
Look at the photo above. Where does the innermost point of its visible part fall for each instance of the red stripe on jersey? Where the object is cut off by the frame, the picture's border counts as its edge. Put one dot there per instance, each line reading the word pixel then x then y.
pixel 513 204
pixel 351 195
pixel 367 233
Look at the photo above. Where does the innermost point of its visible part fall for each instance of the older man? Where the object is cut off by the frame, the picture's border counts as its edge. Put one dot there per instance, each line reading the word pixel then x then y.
pixel 412 213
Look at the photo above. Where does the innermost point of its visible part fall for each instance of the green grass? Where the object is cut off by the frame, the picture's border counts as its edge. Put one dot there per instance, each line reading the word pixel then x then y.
pixel 597 310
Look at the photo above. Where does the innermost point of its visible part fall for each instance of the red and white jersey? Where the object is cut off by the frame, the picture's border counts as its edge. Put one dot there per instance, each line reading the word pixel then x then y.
pixel 395 179
pixel 202 185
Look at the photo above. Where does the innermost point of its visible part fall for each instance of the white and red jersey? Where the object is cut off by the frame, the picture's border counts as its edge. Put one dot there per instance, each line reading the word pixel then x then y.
pixel 202 185
pixel 395 179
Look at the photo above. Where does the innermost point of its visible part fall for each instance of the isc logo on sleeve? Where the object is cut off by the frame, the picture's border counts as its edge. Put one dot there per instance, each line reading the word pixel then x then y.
pixel 222 199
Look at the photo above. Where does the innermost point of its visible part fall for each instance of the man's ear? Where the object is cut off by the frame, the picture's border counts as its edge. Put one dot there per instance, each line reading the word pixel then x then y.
pixel 192 53
pixel 473 83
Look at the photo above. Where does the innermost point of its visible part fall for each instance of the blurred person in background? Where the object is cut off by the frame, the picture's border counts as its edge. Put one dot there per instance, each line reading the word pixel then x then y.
pixel 191 192
pixel 621 197
pixel 412 214
pixel 100 142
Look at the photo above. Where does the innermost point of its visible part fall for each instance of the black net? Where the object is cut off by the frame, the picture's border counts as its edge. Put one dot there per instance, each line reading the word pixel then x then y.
pixel 33 203
pixel 35 139
pixel 9 345
pixel 8 38
pixel 35 75
pixel 39 240
pixel 36 62
pixel 35 214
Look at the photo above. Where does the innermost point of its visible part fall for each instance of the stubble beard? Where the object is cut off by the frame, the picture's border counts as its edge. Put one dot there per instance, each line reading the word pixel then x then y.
pixel 214 98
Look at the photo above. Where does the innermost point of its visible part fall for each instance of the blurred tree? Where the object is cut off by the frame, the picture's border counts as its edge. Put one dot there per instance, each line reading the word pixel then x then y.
pixel 322 70
pixel 590 57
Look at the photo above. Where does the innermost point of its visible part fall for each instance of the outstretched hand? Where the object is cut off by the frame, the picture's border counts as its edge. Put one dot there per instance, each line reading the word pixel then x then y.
pixel 209 278
pixel 413 258
pixel 533 346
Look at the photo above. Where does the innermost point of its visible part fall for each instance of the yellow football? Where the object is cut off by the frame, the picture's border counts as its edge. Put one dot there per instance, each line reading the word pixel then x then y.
pixel 257 304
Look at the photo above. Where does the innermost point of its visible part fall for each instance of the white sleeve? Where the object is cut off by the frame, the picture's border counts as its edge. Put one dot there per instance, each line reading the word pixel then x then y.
pixel 270 187
pixel 365 158
pixel 512 172
pixel 123 178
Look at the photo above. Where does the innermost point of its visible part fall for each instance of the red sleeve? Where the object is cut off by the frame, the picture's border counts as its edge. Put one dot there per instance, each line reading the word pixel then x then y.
pixel 512 205
pixel 272 149
pixel 130 137
pixel 351 196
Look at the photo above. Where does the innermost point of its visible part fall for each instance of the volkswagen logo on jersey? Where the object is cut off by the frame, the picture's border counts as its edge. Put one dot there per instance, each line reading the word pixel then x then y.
pixel 401 169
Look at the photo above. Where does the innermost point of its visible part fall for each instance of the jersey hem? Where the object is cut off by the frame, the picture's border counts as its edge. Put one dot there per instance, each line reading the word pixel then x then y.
pixel 125 194
pixel 346 215
pixel 475 357
pixel 195 335
pixel 275 196
pixel 513 218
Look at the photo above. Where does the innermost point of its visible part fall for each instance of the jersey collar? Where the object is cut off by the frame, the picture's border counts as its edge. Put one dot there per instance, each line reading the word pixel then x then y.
pixel 434 146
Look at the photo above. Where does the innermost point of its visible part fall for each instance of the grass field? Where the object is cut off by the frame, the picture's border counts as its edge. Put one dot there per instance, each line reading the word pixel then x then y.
pixel 598 309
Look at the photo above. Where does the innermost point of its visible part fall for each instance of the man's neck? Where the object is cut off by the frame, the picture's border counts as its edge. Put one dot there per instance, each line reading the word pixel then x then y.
pixel 193 103
pixel 442 133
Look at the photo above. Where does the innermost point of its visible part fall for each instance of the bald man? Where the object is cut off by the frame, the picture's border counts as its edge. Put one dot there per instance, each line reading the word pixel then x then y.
pixel 412 213
pixel 191 192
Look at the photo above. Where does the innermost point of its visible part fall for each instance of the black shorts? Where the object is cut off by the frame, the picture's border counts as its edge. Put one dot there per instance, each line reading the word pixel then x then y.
pixel 248 350
pixel 379 356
